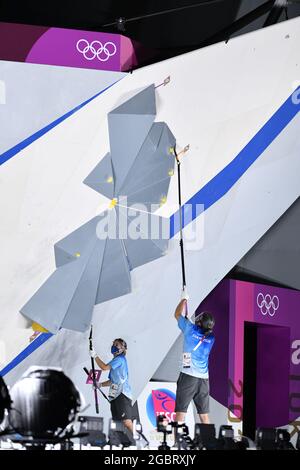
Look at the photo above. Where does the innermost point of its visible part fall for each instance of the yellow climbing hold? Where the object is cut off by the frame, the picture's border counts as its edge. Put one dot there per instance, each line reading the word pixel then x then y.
pixel 77 255
pixel 171 172
pixel 110 179
pixel 36 327
pixel 163 200
pixel 171 150
pixel 113 203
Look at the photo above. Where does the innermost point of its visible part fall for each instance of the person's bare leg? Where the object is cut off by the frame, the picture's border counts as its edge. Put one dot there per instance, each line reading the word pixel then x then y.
pixel 180 417
pixel 204 418
pixel 128 424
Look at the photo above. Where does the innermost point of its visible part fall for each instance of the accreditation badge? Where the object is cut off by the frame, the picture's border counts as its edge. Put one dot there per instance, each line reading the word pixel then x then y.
pixel 113 391
pixel 186 360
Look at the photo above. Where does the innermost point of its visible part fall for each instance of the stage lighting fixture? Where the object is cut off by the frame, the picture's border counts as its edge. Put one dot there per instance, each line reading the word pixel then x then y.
pixel 120 22
pixel 139 437
pixel 226 438
pixel 93 426
pixel 119 435
pixel 205 437
pixel 283 438
pixel 265 438
pixel 45 402
pixel 164 426
pixel 5 400
pixel 244 443
pixel 226 432
pixel 182 438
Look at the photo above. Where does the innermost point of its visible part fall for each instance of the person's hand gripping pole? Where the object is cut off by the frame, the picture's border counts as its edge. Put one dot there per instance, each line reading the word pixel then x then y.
pixel 185 297
pixel 93 355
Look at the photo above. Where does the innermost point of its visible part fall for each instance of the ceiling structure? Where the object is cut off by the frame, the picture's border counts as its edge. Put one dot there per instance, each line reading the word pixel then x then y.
pixel 171 27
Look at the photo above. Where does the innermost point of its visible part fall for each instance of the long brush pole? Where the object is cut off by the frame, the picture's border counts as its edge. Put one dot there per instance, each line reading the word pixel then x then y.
pixel 181 244
pixel 93 372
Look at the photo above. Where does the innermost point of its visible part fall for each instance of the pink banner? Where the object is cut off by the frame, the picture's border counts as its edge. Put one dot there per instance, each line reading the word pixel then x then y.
pixel 66 47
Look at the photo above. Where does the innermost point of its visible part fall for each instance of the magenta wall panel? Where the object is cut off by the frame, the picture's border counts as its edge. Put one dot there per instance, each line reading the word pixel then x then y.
pixel 276 311
pixel 66 47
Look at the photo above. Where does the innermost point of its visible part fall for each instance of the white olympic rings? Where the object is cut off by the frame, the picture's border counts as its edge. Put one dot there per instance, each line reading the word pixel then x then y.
pixel 267 304
pixel 96 49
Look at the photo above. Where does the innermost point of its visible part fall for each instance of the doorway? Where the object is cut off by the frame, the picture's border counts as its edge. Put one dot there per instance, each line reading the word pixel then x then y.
pixel 266 377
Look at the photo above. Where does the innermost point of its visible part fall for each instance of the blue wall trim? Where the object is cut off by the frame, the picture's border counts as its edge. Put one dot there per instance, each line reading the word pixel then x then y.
pixel 8 154
pixel 41 339
pixel 212 192
pixel 218 186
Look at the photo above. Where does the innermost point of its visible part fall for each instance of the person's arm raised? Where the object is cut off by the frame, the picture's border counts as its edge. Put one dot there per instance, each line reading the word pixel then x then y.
pixel 99 362
pixel 180 309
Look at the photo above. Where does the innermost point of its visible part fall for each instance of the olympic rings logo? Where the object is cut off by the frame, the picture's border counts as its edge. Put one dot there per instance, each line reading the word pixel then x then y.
pixel 267 304
pixel 96 49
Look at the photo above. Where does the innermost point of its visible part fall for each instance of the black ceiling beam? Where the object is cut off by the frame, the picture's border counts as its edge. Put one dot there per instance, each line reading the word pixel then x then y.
pixel 222 35
pixel 122 20
pixel 279 7
pixel 226 33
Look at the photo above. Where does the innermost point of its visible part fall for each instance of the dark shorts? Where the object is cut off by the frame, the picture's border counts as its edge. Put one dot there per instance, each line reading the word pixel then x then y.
pixel 121 408
pixel 192 388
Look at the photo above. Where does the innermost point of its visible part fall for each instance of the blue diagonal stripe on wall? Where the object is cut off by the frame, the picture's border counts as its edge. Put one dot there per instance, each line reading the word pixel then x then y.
pixel 218 186
pixel 29 140
pixel 41 339
pixel 212 192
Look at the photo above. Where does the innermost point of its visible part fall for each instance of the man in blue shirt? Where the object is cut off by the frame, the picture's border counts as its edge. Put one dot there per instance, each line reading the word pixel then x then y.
pixel 193 381
pixel 120 394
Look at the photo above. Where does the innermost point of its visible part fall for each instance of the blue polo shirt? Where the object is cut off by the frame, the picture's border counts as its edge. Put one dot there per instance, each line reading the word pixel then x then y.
pixel 198 351
pixel 118 375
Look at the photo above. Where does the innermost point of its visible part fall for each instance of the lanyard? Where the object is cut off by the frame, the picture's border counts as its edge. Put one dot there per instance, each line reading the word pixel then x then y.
pixel 200 342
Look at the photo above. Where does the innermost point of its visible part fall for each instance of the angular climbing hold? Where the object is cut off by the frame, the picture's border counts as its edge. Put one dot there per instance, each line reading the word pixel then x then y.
pixel 36 327
pixel 163 200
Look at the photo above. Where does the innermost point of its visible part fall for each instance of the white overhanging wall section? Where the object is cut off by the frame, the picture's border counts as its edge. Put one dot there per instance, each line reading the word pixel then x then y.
pixel 218 99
